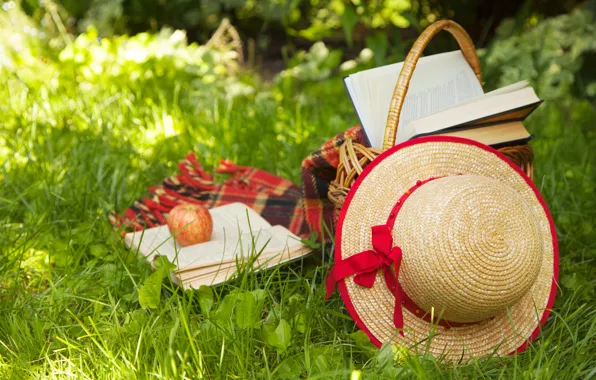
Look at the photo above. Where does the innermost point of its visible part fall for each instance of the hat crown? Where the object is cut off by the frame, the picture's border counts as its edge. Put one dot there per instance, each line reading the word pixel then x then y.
pixel 471 247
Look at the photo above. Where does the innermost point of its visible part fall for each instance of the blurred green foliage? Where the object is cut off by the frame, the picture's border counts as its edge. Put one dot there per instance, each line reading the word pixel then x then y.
pixel 557 56
pixel 311 19
pixel 163 59
pixel 381 25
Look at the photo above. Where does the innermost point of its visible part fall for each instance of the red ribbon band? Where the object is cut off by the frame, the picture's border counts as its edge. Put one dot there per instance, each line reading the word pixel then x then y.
pixel 366 264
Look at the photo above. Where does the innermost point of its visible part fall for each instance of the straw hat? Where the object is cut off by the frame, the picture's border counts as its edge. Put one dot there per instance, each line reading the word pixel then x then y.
pixel 445 246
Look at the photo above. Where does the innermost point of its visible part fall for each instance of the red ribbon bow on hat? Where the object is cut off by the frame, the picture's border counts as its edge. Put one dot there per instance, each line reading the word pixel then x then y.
pixel 364 266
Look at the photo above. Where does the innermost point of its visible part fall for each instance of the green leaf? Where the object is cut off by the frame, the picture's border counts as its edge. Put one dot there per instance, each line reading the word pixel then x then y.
pixel 315 32
pixel 98 250
pixel 349 19
pixel 321 363
pixel 284 335
pixel 312 241
pixel 226 307
pixel 205 299
pixel 379 45
pixel 385 355
pixel 246 311
pixel 269 336
pixel 259 294
pixel 334 59
pixel 150 291
pixel 362 340
pixel 300 322
pixel 162 262
pixel 111 275
pixel 296 299
pixel 288 369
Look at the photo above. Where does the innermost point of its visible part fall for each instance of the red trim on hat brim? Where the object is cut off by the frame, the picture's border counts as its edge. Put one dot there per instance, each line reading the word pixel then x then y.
pixel 421 140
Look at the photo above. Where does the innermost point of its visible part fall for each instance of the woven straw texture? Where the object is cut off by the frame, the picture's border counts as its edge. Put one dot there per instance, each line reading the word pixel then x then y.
pixel 479 246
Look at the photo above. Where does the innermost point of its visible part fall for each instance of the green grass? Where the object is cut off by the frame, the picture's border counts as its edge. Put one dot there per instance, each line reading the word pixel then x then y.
pixel 69 288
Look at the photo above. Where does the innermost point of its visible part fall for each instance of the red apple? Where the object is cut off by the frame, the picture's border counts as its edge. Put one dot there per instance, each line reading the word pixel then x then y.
pixel 190 224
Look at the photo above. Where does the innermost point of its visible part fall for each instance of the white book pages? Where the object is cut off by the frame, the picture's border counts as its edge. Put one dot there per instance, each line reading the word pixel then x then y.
pixel 234 248
pixel 503 90
pixel 220 273
pixel 439 81
pixel 229 222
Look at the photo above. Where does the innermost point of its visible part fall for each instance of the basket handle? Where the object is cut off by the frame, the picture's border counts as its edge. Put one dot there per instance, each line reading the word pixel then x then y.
pixel 403 81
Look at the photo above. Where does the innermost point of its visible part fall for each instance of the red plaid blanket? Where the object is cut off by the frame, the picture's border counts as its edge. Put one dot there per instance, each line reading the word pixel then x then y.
pixel 278 200
pixel 318 170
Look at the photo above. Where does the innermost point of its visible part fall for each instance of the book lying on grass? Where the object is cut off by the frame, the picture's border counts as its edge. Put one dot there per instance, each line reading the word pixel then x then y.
pixel 241 238
pixel 444 97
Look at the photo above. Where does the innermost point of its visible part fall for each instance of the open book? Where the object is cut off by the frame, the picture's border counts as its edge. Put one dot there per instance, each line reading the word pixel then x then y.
pixel 444 97
pixel 240 237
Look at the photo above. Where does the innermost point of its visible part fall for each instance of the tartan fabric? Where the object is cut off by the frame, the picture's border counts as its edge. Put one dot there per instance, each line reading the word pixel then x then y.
pixel 278 200
pixel 318 170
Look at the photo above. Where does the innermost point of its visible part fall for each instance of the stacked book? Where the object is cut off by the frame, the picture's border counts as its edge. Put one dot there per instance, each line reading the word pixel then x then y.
pixel 444 98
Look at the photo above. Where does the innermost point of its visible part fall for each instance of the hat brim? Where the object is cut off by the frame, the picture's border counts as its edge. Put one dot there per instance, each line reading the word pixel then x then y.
pixel 383 180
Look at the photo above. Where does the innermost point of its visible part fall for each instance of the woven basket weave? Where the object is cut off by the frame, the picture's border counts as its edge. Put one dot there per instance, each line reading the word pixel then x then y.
pixel 354 157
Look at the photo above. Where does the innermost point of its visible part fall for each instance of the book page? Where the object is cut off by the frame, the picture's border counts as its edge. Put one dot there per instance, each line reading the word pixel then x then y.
pixel 504 106
pixel 272 255
pixel 439 81
pixel 234 218
pixel 232 248
pixel 229 222
pixel 224 273
pixel 503 90
pixel 510 88
pixel 264 260
pixel 277 239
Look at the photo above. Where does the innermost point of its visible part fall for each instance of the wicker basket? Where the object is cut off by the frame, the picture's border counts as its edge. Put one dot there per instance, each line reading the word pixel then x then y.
pixel 353 157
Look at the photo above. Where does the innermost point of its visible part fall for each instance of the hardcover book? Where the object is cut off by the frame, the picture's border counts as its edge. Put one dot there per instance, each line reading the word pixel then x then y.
pixel 444 97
